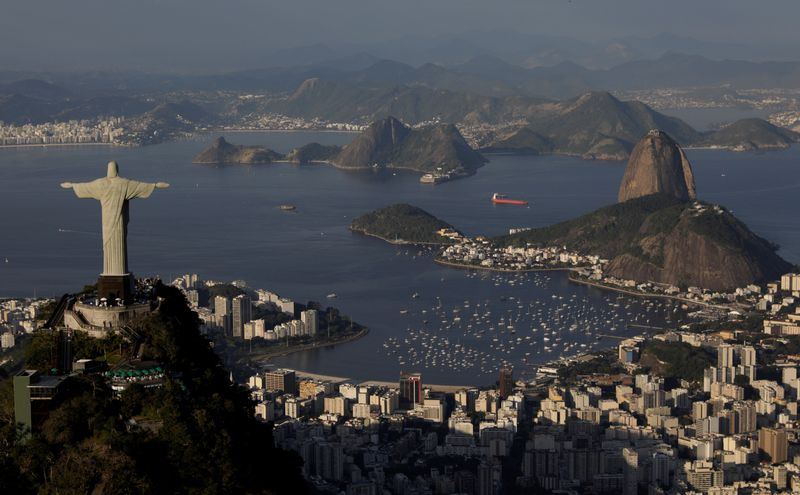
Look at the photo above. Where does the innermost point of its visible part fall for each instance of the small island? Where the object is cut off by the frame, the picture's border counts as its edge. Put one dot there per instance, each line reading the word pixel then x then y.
pixel 405 224
pixel 438 151
pixel 223 152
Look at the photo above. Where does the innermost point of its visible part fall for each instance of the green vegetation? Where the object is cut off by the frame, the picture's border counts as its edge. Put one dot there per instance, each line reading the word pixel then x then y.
pixel 660 238
pixel 313 152
pixel 41 352
pixel 203 437
pixel 752 134
pixel 676 359
pixel 605 364
pixel 727 230
pixel 270 316
pixel 595 123
pixel 402 223
pixel 606 232
pixel 343 102
pixel 206 296
pixel 523 141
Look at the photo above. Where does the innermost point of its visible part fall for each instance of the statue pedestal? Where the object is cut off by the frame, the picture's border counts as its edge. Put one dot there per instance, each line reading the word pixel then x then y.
pixel 115 286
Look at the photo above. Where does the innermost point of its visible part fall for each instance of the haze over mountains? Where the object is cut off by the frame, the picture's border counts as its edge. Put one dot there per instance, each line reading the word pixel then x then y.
pixel 527 50
pixel 481 74
pixel 522 105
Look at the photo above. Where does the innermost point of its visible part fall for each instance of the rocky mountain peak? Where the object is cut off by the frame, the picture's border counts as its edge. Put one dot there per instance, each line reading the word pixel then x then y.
pixel 657 165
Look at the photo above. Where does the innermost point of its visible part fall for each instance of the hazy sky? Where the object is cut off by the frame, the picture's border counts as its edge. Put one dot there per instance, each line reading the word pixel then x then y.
pixel 208 35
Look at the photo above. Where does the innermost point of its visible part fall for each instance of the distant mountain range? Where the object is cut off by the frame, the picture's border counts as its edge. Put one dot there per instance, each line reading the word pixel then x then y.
pixel 487 73
pixel 524 49
pixel 483 90
pixel 167 121
pixel 595 125
pixel 493 76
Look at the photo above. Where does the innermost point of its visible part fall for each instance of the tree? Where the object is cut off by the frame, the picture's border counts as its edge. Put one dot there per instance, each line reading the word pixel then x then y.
pixel 203 436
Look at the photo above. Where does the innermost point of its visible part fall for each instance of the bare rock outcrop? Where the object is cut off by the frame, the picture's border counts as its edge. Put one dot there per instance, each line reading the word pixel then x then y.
pixel 657 165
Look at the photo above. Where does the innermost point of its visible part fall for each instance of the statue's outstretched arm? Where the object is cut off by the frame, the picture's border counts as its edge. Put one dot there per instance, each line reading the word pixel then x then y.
pixel 161 185
pixel 66 185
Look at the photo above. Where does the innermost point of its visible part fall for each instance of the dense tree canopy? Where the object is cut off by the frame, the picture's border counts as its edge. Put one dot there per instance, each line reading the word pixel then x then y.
pixel 201 436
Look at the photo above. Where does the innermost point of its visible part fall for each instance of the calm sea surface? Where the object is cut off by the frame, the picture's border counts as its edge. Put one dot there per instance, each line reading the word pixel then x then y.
pixel 224 223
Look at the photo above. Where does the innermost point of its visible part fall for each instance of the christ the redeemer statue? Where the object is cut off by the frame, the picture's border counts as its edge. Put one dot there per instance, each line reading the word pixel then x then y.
pixel 114 192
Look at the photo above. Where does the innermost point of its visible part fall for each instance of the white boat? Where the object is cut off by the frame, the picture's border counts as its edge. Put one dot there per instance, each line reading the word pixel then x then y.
pixel 332 295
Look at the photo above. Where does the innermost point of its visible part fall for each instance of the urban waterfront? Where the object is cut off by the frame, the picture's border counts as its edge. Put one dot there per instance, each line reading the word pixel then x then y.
pixel 229 227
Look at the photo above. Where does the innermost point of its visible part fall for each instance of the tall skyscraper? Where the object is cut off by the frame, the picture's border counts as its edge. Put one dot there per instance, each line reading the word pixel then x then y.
pixel 748 356
pixel 241 309
pixel 281 379
pixel 660 469
pixel 222 313
pixel 725 355
pixel 774 444
pixel 506 382
pixel 310 319
pixel 410 389
pixel 630 471
pixel 485 480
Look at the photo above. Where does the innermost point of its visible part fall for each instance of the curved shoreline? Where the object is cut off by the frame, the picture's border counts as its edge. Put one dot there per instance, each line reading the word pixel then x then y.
pixel 504 270
pixel 59 145
pixel 646 295
pixel 284 351
pixel 397 242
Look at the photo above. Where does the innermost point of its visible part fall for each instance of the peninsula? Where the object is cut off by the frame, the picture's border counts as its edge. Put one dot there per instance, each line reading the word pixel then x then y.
pixel 660 233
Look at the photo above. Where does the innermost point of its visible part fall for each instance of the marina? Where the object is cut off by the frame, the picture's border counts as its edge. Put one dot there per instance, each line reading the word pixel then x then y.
pixel 479 336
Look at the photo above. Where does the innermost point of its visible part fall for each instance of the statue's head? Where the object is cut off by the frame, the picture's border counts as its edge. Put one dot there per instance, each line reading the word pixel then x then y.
pixel 113 169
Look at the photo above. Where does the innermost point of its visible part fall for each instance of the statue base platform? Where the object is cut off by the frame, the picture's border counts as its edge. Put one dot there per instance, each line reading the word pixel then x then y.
pixel 113 287
pixel 99 321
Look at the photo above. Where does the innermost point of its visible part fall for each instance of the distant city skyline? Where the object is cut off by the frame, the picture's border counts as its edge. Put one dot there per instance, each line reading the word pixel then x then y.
pixel 204 36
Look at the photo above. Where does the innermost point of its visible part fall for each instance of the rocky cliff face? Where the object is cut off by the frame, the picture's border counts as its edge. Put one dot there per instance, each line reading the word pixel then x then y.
pixel 662 239
pixel 657 165
pixel 374 145
pixel 389 143
pixel 705 247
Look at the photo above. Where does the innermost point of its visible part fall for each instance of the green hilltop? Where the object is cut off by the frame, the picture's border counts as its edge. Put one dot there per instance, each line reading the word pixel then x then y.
pixel 203 436
pixel 403 224
pixel 663 239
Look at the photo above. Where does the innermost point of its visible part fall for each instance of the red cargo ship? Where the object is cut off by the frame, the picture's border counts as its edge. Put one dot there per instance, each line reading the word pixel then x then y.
pixel 501 199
